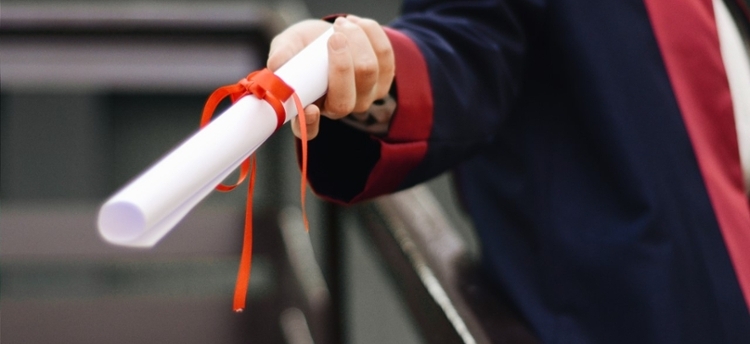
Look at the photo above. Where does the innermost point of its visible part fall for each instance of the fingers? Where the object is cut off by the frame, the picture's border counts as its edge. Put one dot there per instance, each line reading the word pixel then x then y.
pixel 365 62
pixel 383 50
pixel 293 40
pixel 312 121
pixel 360 57
pixel 342 93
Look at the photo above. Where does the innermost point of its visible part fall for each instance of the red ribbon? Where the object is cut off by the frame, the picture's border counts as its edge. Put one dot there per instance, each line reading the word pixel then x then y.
pixel 266 86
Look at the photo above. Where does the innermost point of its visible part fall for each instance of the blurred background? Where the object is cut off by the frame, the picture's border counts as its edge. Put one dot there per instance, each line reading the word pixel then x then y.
pixel 91 94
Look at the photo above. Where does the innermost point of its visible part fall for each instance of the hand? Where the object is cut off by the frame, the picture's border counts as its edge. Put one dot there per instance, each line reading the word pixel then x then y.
pixel 361 66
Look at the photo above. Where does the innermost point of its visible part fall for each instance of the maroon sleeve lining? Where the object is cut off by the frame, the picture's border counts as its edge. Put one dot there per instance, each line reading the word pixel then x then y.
pixel 406 143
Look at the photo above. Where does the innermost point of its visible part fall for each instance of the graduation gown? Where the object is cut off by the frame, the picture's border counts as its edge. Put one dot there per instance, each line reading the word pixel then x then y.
pixel 593 145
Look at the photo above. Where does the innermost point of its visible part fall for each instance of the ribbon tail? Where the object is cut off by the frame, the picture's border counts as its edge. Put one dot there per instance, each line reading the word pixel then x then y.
pixel 303 180
pixel 243 275
pixel 244 170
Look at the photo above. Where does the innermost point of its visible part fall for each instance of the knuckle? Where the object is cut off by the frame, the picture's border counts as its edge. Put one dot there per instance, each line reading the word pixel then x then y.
pixel 362 107
pixel 339 108
pixel 383 51
pixel 341 68
pixel 366 70
pixel 369 24
pixel 388 72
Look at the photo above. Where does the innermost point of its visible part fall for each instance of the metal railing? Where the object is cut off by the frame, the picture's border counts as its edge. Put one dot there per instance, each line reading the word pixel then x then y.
pixel 439 281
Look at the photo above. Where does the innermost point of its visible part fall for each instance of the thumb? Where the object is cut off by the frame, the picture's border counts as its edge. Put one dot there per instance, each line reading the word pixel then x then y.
pixel 312 121
pixel 292 40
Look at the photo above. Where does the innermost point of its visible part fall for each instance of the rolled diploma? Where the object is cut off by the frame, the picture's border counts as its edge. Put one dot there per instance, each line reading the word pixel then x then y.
pixel 147 208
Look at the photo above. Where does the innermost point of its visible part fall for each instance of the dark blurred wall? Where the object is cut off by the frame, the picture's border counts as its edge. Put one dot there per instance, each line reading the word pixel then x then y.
pixel 382 10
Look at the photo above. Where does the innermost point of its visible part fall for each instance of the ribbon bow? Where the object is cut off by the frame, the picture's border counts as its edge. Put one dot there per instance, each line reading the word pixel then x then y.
pixel 266 86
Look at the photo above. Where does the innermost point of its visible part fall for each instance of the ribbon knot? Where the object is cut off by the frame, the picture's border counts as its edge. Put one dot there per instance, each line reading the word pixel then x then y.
pixel 253 88
pixel 264 85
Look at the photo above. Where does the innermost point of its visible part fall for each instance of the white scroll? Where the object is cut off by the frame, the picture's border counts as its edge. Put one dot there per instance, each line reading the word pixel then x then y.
pixel 147 208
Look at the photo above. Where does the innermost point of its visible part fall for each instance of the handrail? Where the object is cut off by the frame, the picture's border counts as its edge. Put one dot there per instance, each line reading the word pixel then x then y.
pixel 438 279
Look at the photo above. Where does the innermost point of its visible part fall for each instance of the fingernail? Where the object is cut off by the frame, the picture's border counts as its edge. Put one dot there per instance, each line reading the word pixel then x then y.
pixel 337 42
pixel 353 18
pixel 344 22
